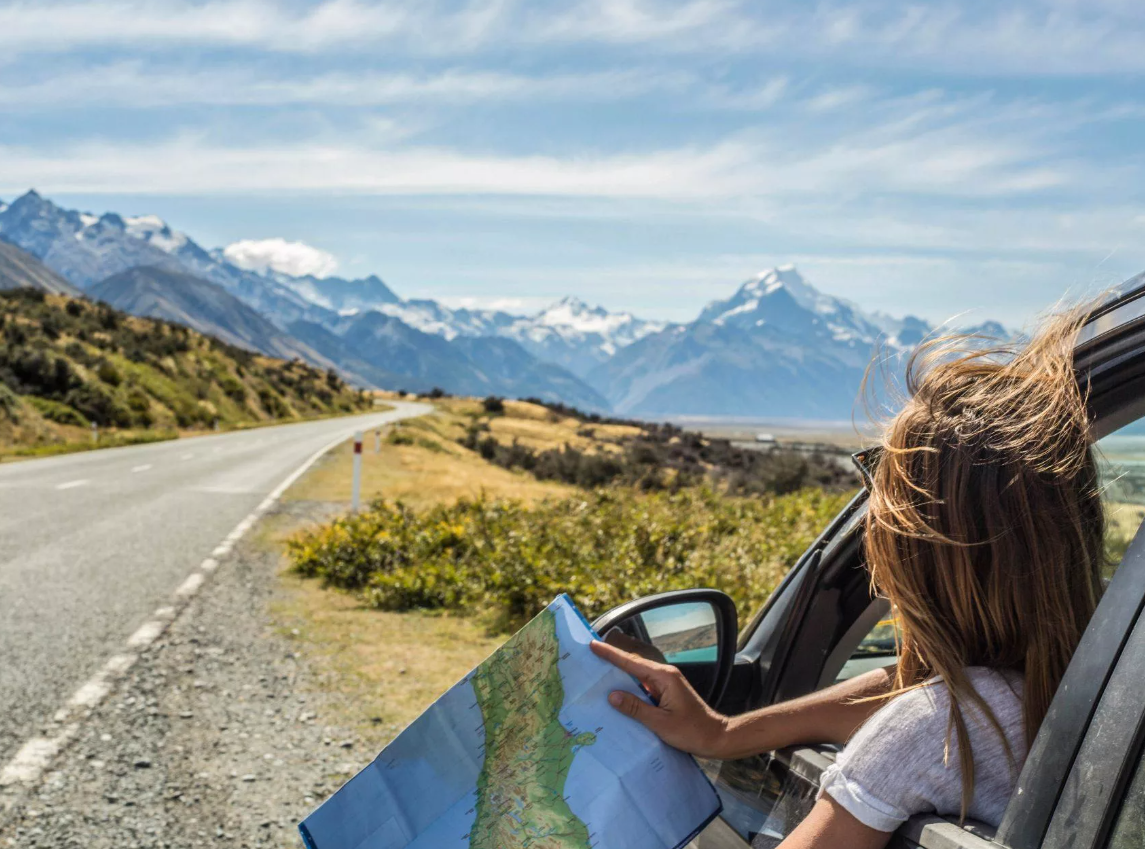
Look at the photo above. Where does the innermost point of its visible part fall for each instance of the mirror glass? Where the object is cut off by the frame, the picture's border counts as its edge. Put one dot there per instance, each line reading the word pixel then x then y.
pixel 684 633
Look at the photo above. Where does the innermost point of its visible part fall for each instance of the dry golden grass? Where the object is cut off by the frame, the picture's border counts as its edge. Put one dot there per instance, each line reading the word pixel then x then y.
pixel 386 668
pixel 383 668
pixel 418 475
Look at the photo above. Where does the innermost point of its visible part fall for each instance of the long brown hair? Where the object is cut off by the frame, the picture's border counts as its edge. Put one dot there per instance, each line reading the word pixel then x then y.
pixel 985 525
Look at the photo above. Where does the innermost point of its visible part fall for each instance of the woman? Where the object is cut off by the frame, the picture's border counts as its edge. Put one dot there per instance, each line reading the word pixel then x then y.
pixel 984 529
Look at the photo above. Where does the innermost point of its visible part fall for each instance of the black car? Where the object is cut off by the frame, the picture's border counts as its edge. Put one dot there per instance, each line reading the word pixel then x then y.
pixel 1083 784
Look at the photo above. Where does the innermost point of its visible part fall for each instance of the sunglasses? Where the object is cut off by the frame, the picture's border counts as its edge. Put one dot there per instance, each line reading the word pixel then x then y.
pixel 865 462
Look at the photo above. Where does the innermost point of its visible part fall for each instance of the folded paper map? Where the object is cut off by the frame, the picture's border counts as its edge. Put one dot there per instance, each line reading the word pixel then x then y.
pixel 524 752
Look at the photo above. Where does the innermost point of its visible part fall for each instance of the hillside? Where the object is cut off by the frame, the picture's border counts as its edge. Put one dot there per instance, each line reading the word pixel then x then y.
pixel 66 363
pixel 19 269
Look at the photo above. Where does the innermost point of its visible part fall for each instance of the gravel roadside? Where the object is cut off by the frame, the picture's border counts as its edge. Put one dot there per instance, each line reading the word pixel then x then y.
pixel 215 737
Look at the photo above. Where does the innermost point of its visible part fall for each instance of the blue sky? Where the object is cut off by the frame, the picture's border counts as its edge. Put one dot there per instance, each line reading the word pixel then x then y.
pixel 928 158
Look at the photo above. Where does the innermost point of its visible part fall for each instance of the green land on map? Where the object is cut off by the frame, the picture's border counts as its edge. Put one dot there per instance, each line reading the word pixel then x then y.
pixel 520 791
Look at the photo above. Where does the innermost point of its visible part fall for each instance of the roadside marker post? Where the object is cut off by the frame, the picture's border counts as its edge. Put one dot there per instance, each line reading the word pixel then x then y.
pixel 356 491
pixel 378 441
pixel 94 432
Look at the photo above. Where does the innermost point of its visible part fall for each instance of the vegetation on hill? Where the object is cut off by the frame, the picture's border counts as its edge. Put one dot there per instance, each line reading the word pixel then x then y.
pixel 66 363
pixel 455 529
pixel 654 457
pixel 602 547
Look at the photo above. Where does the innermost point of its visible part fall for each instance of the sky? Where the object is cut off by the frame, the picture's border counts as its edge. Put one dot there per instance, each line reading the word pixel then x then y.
pixel 928 158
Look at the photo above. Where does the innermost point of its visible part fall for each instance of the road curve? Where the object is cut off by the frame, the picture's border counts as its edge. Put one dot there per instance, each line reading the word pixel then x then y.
pixel 92 543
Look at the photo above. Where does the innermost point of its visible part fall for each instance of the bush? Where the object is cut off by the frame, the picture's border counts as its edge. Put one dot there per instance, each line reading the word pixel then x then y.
pixel 108 373
pixel 99 406
pixel 9 404
pixel 493 405
pixel 603 548
pixel 59 413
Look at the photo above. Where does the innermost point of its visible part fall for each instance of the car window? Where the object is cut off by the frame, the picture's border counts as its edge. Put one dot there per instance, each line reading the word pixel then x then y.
pixel 1121 467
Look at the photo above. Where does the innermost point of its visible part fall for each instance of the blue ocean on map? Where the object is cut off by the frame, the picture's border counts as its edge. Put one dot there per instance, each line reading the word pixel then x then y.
pixel 630 790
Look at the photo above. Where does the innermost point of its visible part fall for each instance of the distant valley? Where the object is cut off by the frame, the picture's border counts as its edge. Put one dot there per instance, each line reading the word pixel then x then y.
pixel 777 347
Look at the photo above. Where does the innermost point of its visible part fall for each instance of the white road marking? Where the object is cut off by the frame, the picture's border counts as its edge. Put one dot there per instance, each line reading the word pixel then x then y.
pixel 34 756
pixel 142 468
pixel 73 484
pixel 37 754
pixel 186 456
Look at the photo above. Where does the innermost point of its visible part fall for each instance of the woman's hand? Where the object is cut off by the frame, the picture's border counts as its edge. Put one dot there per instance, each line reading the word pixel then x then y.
pixel 680 718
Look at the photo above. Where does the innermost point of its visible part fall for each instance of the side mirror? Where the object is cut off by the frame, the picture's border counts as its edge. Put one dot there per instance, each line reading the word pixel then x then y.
pixel 694 630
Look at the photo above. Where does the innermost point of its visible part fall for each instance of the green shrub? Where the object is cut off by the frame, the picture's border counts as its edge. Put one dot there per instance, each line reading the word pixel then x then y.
pixel 57 412
pixel 9 403
pixel 398 436
pixel 108 373
pixel 98 405
pixel 603 548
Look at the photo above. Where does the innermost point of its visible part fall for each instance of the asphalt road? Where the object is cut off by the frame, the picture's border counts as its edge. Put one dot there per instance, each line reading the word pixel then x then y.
pixel 92 543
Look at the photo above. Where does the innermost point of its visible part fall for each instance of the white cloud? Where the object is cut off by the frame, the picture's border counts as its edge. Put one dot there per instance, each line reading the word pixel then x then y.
pixel 138 85
pixel 294 258
pixel 937 150
pixel 1039 38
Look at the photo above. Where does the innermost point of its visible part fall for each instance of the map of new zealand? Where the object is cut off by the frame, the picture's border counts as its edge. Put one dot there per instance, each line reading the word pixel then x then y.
pixel 523 753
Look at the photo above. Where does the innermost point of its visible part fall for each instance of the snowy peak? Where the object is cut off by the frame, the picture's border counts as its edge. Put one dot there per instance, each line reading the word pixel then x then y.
pixel 784 303
pixel 572 315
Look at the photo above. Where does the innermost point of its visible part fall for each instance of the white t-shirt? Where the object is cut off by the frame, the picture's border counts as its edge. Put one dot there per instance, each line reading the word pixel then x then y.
pixel 893 767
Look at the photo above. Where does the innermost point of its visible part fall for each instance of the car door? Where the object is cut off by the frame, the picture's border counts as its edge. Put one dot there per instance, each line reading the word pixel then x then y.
pixel 821 625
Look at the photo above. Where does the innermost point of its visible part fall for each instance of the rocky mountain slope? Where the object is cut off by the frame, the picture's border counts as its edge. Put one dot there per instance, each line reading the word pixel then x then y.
pixel 777 347
pixel 207 307
pixel 19 269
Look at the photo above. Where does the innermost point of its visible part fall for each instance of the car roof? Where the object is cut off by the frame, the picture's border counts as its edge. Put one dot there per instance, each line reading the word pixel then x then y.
pixel 1124 308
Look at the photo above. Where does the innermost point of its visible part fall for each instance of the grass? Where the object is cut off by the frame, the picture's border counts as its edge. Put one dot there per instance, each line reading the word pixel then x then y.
pixel 383 669
pixel 115 439
pixel 363 651
pixel 417 474
pixel 386 668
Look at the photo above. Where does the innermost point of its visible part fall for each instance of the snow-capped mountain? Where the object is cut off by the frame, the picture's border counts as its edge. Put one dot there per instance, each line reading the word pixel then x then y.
pixel 569 332
pixel 87 248
pixel 155 270
pixel 776 347
pixel 577 336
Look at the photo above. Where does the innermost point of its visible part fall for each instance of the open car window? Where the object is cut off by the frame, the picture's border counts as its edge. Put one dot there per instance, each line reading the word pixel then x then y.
pixel 1121 468
pixel 766 796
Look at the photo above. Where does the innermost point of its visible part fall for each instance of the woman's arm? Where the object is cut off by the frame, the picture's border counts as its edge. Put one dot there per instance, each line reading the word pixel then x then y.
pixel 682 719
pixel 830 825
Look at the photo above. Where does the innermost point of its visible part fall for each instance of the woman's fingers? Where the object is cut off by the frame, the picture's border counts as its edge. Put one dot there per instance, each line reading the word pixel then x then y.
pixel 630 663
pixel 636 708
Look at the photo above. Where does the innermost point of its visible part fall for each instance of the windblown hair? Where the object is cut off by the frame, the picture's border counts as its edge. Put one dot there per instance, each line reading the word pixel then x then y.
pixel 985 525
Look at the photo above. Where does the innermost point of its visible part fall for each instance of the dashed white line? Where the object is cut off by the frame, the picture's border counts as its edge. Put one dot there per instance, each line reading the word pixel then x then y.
pixel 37 754
pixel 142 468
pixel 73 484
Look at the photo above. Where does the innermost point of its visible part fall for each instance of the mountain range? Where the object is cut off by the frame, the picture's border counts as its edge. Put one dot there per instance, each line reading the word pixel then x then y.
pixel 775 347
